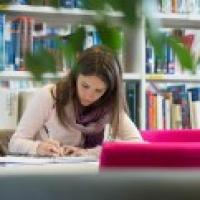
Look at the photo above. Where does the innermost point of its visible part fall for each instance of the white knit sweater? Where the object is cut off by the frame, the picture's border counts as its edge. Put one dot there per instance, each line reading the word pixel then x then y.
pixel 40 112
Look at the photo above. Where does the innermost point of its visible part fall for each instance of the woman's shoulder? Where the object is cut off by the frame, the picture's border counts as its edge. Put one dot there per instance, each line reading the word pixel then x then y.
pixel 45 93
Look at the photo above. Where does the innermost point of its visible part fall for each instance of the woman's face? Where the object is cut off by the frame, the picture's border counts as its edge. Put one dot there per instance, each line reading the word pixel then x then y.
pixel 89 89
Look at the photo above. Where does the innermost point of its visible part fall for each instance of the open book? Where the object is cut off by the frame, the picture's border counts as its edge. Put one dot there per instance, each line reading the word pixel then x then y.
pixel 44 160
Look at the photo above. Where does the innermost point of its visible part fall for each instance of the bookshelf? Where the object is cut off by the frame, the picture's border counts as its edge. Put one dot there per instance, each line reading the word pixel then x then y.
pixel 173 78
pixel 56 17
pixel 134 47
pixel 62 16
pixel 183 21
pixel 17 75
pixel 174 20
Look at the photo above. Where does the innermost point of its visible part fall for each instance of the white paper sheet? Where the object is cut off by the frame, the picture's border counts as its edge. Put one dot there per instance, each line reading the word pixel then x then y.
pixel 44 160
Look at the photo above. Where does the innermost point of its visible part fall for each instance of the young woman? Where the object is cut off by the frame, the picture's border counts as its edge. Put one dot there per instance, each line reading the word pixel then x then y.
pixel 70 118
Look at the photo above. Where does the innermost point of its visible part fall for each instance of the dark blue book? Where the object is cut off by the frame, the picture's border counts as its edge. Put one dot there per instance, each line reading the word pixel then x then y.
pixel 9 55
pixel 195 93
pixel 2 42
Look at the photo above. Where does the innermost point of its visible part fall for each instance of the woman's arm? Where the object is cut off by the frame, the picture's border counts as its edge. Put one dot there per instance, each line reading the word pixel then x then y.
pixel 77 151
pixel 128 130
pixel 32 121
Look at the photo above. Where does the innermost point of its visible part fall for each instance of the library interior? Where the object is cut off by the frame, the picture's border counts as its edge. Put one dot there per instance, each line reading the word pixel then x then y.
pixel 99 99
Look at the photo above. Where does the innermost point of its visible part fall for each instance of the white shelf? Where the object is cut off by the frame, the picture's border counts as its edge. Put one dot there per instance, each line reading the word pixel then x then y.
pixel 173 78
pixel 131 76
pixel 10 75
pixel 173 20
pixel 55 16
pixel 26 75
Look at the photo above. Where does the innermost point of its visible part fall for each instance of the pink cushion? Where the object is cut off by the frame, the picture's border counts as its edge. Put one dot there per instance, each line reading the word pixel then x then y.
pixel 185 135
pixel 165 154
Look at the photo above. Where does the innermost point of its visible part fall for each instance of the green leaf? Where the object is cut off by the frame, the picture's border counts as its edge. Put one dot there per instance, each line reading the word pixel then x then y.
pixel 110 36
pixel 54 3
pixel 73 45
pixel 157 39
pixel 36 2
pixel 183 54
pixel 94 4
pixel 5 2
pixel 130 8
pixel 39 63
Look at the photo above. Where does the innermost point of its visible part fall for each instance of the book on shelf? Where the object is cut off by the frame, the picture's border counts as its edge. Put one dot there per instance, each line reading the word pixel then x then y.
pixel 194 102
pixel 2 43
pixel 170 108
pixel 24 34
pixel 21 41
pixel 157 65
pixel 150 58
pixel 167 109
pixel 132 96
pixel 180 106
pixel 61 3
pixel 154 110
pixel 178 6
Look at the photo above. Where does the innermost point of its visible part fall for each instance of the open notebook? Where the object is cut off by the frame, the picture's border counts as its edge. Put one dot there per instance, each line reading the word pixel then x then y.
pixel 44 160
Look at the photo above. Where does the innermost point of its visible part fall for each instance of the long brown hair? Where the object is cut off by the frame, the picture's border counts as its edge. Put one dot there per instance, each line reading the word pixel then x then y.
pixel 101 62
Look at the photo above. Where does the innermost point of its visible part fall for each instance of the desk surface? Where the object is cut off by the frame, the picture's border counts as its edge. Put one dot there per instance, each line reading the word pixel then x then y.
pixel 55 168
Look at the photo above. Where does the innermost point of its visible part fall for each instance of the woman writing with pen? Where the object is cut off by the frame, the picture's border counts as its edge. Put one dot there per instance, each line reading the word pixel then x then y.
pixel 70 117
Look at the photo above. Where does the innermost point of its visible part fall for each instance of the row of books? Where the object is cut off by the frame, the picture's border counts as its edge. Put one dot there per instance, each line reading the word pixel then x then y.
pixel 60 3
pixel 13 101
pixel 175 107
pixel 178 6
pixel 170 64
pixel 155 65
pixel 24 34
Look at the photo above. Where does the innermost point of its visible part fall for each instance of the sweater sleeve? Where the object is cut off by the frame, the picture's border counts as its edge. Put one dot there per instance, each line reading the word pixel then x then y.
pixel 32 121
pixel 128 130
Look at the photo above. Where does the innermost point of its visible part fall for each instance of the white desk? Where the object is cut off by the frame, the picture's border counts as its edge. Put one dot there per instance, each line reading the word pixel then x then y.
pixel 66 168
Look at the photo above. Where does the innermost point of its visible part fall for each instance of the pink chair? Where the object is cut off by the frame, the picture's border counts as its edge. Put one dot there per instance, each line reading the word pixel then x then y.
pixel 184 135
pixel 172 148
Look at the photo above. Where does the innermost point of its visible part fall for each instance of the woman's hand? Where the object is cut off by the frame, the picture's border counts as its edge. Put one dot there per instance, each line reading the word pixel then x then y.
pixel 73 151
pixel 49 148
